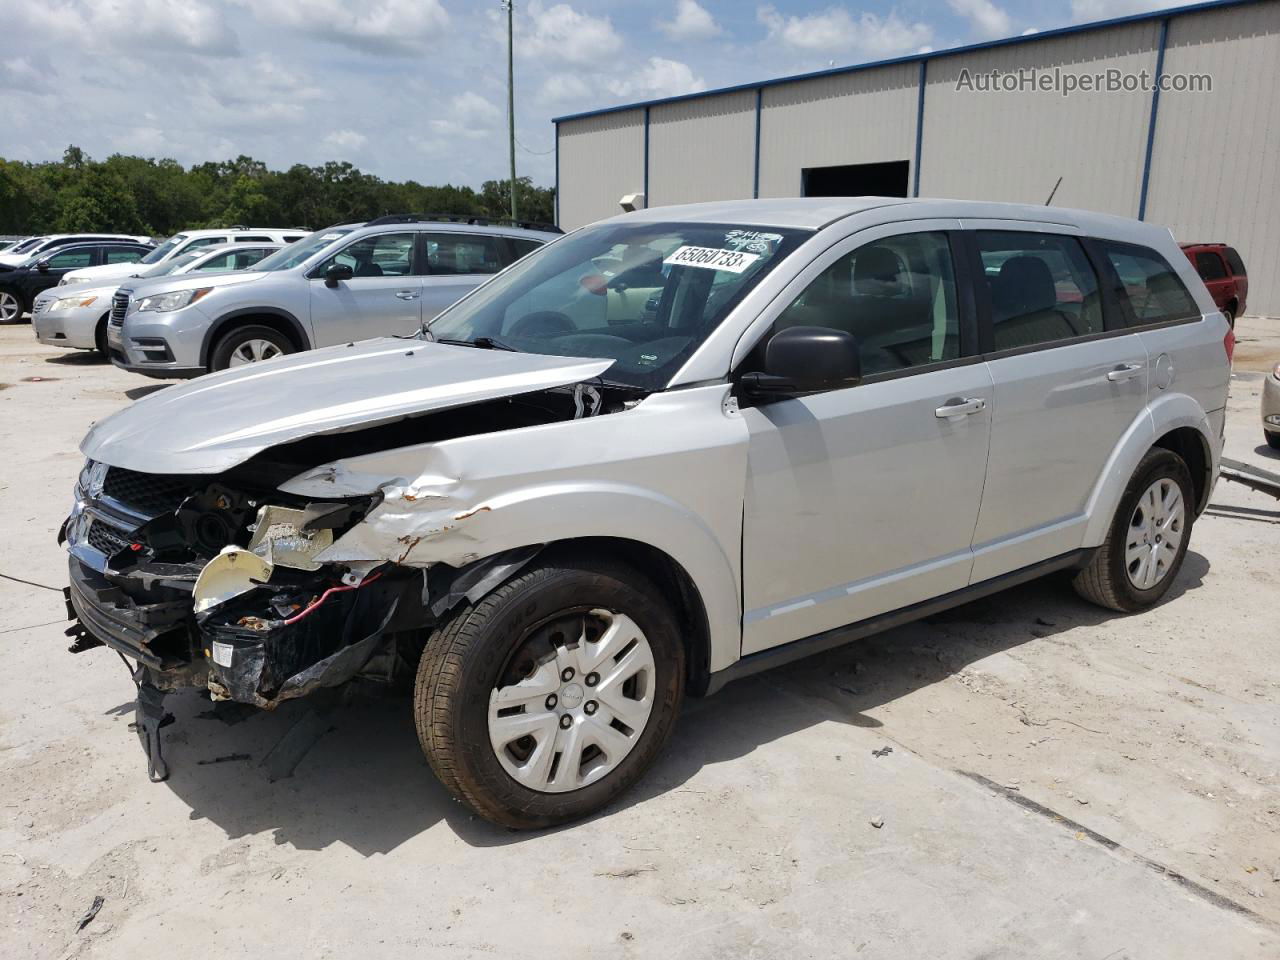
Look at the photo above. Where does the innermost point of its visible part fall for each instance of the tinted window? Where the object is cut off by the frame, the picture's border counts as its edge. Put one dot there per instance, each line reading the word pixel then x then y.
pixel 243 239
pixel 450 254
pixel 522 247
pixel 897 296
pixel 1233 258
pixel 383 255
pixel 223 261
pixel 70 259
pixel 204 242
pixel 1042 288
pixel 122 255
pixel 1149 285
pixel 292 237
pixel 1210 266
pixel 247 258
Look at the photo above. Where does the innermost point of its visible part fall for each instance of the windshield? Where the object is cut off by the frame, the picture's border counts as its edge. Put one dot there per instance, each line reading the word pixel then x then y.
pixel 645 295
pixel 300 251
pixel 170 266
pixel 25 245
pixel 162 251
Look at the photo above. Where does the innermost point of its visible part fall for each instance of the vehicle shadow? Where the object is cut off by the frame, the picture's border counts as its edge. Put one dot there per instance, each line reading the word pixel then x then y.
pixel 1266 451
pixel 364 783
pixel 137 393
pixel 79 358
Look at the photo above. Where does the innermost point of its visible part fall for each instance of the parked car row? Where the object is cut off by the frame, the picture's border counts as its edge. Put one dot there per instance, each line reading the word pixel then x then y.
pixel 23 277
pixel 671 449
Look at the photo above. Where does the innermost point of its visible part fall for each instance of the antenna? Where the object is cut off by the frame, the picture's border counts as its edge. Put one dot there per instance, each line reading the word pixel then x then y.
pixel 1053 191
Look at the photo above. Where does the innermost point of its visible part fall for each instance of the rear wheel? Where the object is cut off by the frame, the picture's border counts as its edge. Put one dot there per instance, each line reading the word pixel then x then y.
pixel 1273 439
pixel 11 308
pixel 248 344
pixel 1230 313
pixel 553 695
pixel 1148 539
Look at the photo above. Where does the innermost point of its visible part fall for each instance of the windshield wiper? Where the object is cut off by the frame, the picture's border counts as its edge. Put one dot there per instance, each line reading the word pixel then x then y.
pixel 484 343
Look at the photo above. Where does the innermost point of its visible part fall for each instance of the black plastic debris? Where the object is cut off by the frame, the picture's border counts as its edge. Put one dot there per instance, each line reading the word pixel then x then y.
pixel 90 913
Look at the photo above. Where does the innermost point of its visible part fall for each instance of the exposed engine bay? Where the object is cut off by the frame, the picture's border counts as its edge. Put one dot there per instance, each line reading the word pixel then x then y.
pixel 218 581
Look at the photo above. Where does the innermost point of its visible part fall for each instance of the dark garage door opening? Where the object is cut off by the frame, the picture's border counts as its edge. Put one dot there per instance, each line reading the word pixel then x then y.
pixel 856 180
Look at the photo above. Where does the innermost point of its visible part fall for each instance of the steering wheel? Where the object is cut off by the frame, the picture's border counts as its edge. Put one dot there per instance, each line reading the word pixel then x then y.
pixel 542 323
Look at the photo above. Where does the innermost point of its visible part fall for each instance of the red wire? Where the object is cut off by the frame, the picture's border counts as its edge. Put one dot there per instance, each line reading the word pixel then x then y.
pixel 324 596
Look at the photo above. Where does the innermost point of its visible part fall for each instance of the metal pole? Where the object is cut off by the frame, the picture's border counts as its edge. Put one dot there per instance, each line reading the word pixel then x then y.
pixel 511 104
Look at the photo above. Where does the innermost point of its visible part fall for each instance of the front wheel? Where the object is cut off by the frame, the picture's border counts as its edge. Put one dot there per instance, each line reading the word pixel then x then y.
pixel 1273 439
pixel 553 695
pixel 11 308
pixel 1139 560
pixel 248 344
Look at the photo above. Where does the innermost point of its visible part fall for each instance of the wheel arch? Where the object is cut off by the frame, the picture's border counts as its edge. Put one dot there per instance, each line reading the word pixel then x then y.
pixel 276 318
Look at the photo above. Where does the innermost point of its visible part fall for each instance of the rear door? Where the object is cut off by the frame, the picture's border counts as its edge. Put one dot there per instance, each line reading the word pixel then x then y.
pixel 1069 378
pixel 382 298
pixel 862 500
pixel 457 263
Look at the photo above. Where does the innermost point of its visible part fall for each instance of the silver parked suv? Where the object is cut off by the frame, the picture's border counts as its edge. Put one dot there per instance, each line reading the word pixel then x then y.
pixel 668 450
pixel 348 282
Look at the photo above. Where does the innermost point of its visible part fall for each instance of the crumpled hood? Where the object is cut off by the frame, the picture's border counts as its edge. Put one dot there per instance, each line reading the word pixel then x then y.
pixel 217 421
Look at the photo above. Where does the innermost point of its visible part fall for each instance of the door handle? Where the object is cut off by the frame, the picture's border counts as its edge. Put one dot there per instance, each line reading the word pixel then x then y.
pixel 1126 371
pixel 407 294
pixel 960 407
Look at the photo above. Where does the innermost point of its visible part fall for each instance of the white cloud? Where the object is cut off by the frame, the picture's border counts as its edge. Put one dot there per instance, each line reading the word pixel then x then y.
pixel 346 140
pixel 691 22
pixel 388 27
pixel 156 26
pixel 561 33
pixel 561 87
pixel 659 78
pixel 475 107
pixel 988 20
pixel 1083 10
pixel 836 30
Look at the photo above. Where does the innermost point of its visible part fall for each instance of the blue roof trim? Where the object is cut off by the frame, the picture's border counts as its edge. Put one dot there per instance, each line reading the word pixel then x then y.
pixel 919 57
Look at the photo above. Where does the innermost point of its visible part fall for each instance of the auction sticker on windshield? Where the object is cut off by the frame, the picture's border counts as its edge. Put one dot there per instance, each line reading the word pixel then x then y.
pixel 712 258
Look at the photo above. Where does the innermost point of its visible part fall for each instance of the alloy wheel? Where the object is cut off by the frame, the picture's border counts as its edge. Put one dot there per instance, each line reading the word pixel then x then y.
pixel 10 308
pixel 1156 530
pixel 251 351
pixel 575 701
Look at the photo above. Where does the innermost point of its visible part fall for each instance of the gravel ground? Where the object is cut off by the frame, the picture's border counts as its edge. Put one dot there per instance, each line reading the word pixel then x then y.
pixel 1062 782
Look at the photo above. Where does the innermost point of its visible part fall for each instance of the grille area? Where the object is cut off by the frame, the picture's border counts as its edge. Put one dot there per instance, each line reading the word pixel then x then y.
pixel 119 305
pixel 105 540
pixel 147 493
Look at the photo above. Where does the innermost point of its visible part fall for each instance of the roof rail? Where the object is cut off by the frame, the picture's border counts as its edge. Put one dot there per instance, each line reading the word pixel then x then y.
pixel 478 220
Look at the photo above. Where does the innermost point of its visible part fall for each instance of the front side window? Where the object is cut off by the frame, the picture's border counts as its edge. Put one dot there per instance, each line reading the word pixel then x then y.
pixel 1153 290
pixel 645 295
pixel 122 255
pixel 199 242
pixel 897 296
pixel 459 254
pixel 1210 266
pixel 1042 288
pixel 71 259
pixel 382 255
pixel 221 261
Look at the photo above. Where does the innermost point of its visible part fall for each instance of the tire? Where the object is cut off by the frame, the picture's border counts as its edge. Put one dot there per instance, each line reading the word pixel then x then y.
pixel 11 306
pixel 1110 579
pixel 232 348
pixel 1273 439
pixel 503 641
pixel 100 337
pixel 1230 314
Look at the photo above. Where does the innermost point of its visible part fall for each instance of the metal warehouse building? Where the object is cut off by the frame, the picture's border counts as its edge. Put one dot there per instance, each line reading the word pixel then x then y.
pixel 1204 163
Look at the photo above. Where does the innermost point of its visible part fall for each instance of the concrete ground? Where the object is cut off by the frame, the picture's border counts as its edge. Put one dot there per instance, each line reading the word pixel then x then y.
pixel 1026 776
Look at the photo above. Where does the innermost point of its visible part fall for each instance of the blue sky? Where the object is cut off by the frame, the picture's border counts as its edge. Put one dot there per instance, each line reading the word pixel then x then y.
pixel 415 89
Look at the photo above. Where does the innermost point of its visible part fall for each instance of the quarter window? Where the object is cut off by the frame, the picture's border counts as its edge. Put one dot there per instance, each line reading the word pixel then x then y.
pixel 454 254
pixel 1209 266
pixel 1150 286
pixel 1233 258
pixel 382 255
pixel 897 296
pixel 1042 288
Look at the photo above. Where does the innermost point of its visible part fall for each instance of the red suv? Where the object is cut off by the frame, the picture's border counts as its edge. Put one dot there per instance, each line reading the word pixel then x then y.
pixel 1222 271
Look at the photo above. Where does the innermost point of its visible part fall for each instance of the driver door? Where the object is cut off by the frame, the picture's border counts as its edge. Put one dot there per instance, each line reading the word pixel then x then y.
pixel 381 299
pixel 863 500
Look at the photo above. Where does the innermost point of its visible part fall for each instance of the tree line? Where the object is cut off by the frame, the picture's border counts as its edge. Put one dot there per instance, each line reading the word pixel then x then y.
pixel 140 195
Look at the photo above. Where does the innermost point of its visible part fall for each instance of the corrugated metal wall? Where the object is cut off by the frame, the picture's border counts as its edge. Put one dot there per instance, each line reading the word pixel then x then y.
pixel 702 149
pixel 600 159
pixel 1014 146
pixel 865 117
pixel 1215 170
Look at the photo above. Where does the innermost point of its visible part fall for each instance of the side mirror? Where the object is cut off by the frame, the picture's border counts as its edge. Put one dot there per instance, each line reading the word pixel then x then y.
pixel 336 273
pixel 43 266
pixel 801 360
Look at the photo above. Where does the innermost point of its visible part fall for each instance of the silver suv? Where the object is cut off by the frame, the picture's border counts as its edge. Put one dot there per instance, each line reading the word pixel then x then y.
pixel 344 283
pixel 669 450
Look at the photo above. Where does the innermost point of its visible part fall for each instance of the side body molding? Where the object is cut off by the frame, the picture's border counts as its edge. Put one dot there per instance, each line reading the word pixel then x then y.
pixel 669 473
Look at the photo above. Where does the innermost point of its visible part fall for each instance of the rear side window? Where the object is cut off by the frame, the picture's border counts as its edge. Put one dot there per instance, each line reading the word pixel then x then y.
pixel 204 242
pixel 1042 288
pixel 1233 258
pixel 122 255
pixel 897 296
pixel 521 248
pixel 1150 286
pixel 1210 266
pixel 453 254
